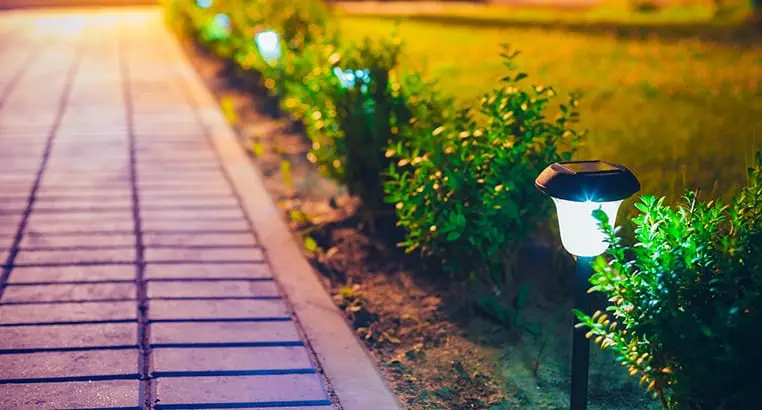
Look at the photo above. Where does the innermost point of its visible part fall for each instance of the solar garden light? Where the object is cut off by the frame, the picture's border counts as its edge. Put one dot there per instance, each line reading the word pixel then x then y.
pixel 268 44
pixel 578 188
pixel 222 21
pixel 349 78
pixel 219 27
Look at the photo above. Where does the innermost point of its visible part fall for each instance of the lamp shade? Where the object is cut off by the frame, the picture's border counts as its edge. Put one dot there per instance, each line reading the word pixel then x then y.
pixel 268 44
pixel 578 188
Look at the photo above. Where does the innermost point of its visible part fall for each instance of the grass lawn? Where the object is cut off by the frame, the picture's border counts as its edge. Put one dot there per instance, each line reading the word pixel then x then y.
pixel 675 95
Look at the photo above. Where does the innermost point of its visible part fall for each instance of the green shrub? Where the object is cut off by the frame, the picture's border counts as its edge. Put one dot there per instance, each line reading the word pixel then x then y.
pixel 285 77
pixel 300 22
pixel 686 313
pixel 463 190
pixel 350 105
pixel 213 28
pixel 297 23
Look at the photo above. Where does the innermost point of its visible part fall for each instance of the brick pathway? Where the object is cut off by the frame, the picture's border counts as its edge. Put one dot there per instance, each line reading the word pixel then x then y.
pixel 131 276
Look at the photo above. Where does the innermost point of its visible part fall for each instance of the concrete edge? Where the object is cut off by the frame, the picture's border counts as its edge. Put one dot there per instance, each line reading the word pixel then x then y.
pixel 351 372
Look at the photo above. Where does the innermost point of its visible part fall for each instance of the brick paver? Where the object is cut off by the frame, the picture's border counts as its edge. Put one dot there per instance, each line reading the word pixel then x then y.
pixel 130 274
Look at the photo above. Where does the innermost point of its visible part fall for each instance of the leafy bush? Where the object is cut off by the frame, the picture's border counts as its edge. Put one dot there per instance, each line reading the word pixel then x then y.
pixel 464 191
pixel 285 77
pixel 297 23
pixel 461 182
pixel 687 300
pixel 228 29
pixel 350 106
pixel 211 25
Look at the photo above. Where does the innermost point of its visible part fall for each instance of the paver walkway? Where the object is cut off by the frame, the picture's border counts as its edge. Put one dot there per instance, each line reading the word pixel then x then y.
pixel 131 277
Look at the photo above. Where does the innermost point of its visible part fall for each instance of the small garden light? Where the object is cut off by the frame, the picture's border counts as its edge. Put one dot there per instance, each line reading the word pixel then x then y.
pixel 222 24
pixel 348 78
pixel 579 188
pixel 268 44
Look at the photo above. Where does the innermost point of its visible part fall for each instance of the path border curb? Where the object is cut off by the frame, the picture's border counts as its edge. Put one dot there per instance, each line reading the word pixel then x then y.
pixel 353 376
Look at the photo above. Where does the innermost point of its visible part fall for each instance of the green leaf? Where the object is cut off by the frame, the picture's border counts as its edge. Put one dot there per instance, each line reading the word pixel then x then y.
pixel 285 170
pixel 601 216
pixel 581 316
pixel 460 221
pixel 490 307
pixel 257 149
pixel 297 216
pixel 310 244
pixel 533 329
pixel 510 209
pixel 522 296
pixel 453 235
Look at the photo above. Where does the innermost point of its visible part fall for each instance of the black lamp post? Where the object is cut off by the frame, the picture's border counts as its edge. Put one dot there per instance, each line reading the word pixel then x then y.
pixel 578 188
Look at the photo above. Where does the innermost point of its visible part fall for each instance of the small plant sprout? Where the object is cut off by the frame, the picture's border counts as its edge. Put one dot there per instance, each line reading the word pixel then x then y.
pixel 268 43
pixel 204 4
pixel 581 190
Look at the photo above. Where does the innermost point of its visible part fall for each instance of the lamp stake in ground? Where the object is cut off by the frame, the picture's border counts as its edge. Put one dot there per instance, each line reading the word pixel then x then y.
pixel 580 344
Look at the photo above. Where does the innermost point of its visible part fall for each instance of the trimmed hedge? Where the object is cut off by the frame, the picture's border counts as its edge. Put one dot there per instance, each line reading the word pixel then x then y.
pixel 685 312
pixel 458 180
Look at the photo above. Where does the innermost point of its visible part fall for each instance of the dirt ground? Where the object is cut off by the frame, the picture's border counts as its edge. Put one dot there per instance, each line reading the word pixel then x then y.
pixel 435 350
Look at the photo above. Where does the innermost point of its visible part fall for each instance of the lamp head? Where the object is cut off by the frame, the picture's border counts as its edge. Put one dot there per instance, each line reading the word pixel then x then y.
pixel 580 187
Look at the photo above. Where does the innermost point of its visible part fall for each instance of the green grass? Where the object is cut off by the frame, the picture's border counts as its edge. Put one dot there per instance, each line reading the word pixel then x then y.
pixel 675 95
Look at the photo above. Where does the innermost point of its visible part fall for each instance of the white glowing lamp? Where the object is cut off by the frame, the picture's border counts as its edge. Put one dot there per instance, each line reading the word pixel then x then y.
pixel 349 78
pixel 578 189
pixel 268 44
pixel 222 21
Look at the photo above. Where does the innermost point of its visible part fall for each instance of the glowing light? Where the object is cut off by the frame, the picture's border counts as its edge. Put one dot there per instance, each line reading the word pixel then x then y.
pixel 268 44
pixel 218 28
pixel 223 21
pixel 363 74
pixel 204 4
pixel 579 229
pixel 349 78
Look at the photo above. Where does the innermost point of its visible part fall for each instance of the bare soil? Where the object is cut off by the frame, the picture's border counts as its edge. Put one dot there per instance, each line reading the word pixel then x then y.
pixel 435 350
